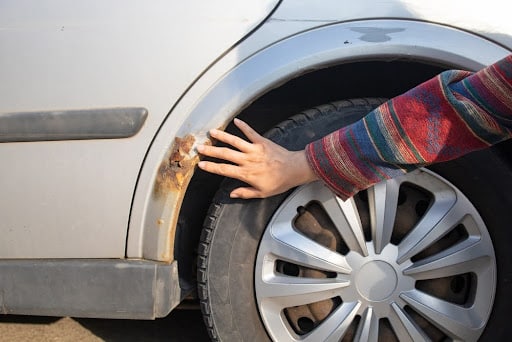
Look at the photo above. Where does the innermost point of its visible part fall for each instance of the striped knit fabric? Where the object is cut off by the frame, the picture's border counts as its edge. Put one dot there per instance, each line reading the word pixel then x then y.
pixel 444 118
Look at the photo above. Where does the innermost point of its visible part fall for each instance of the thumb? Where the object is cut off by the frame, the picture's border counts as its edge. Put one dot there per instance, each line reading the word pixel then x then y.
pixel 245 193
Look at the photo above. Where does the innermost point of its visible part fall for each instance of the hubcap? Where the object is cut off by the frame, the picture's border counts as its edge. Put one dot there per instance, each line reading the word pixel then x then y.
pixel 410 259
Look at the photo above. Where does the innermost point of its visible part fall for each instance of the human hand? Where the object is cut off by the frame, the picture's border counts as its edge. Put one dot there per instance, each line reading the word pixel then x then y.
pixel 268 168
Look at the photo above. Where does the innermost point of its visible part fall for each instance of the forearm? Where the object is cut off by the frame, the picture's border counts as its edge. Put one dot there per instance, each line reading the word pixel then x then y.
pixel 444 118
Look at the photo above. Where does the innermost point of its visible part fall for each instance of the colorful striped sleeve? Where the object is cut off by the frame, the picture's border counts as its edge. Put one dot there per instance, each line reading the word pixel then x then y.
pixel 454 113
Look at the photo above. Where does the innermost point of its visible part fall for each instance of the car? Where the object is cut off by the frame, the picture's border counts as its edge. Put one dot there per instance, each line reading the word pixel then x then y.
pixel 104 213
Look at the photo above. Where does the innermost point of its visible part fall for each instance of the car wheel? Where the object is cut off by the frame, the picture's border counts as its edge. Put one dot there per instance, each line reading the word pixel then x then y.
pixel 409 259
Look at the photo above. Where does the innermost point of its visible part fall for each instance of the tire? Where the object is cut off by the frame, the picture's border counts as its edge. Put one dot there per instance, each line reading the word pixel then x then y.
pixel 365 283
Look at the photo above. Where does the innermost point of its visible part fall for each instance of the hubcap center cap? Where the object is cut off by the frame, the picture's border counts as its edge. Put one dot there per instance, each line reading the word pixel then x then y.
pixel 376 280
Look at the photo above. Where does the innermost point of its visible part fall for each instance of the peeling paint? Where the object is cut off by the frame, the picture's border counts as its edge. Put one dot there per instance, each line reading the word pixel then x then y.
pixel 176 170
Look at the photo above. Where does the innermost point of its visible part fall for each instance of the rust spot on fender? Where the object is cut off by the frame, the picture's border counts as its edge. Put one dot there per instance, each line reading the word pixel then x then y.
pixel 177 167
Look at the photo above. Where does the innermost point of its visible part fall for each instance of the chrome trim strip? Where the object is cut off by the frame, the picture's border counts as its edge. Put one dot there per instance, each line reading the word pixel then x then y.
pixel 105 123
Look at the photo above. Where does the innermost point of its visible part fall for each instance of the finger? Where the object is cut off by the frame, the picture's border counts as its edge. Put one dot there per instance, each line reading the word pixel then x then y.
pixel 226 170
pixel 247 130
pixel 221 153
pixel 231 139
pixel 245 193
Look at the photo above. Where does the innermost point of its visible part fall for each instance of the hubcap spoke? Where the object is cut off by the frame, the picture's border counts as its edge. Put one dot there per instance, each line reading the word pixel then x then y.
pixel 289 245
pixel 457 321
pixel 286 291
pixel 383 201
pixel 336 325
pixel 467 256
pixel 347 221
pixel 404 327
pixel 441 218
pixel 368 329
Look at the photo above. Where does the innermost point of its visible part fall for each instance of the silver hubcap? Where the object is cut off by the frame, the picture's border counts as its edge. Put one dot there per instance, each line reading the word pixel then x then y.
pixel 408 260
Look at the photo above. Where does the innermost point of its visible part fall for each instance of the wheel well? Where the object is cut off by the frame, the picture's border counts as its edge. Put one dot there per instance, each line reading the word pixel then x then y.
pixel 354 80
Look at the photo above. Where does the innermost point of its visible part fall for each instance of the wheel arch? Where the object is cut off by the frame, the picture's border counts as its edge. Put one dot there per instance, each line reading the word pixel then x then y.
pixel 232 85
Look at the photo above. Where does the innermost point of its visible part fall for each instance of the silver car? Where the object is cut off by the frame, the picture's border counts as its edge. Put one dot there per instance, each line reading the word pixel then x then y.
pixel 103 213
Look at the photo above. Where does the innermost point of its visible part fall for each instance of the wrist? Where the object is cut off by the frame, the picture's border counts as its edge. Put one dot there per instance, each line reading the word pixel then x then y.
pixel 305 173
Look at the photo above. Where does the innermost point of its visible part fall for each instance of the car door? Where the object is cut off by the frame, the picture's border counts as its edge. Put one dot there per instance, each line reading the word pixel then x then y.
pixel 74 74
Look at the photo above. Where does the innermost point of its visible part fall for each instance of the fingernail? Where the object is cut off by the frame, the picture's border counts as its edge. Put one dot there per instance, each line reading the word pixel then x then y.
pixel 201 164
pixel 232 195
pixel 200 148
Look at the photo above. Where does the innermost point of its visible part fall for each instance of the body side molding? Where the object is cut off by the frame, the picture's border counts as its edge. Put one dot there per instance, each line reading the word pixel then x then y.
pixel 106 123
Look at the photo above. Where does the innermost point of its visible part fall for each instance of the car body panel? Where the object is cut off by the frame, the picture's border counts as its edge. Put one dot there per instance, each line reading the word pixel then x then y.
pixel 71 199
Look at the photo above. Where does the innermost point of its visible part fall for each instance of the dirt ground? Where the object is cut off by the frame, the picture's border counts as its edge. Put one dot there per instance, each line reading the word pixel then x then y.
pixel 180 325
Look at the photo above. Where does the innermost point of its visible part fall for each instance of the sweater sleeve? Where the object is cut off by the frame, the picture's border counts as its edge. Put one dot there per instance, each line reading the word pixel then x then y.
pixel 452 114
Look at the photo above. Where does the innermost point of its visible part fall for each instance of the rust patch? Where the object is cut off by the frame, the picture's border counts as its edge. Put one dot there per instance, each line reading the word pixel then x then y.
pixel 175 170
pixel 185 145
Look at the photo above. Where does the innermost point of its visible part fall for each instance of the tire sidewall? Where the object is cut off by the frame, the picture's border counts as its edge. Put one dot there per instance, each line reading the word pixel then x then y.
pixel 231 268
